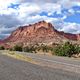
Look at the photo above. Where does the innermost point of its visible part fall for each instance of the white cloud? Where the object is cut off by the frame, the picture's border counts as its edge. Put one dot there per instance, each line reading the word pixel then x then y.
pixel 70 27
pixel 30 8
pixel 5 29
pixel 51 7
pixel 71 11
pixel 4 4
pixel 26 9
pixel 30 12
pixel 78 11
pixel 4 7
pixel 64 17
pixel 36 18
pixel 68 3
pixel 8 11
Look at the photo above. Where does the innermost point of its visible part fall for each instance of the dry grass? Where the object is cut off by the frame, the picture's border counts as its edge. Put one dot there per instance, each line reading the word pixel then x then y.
pixel 18 56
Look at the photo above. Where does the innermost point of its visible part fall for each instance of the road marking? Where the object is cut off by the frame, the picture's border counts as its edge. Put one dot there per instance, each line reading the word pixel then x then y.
pixel 56 62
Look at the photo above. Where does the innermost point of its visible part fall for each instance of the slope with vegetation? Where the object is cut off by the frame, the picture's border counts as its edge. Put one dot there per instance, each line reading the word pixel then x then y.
pixel 67 49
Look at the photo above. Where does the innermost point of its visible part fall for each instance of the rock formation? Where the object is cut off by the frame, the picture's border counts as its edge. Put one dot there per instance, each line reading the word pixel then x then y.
pixel 41 32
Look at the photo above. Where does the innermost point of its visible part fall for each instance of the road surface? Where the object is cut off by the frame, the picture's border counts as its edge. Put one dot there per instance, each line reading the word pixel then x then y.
pixel 13 69
pixel 64 63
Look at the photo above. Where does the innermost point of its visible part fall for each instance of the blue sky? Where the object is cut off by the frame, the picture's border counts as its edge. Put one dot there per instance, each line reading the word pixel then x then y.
pixel 63 14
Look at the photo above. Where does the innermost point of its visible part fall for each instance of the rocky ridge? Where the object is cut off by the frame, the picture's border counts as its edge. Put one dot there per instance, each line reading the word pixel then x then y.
pixel 41 32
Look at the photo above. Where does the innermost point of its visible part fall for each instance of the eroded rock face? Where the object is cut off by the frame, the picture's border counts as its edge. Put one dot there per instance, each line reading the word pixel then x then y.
pixel 2 43
pixel 41 32
pixel 78 36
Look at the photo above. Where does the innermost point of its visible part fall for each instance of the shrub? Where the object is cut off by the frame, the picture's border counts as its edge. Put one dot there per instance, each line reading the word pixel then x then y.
pixel 29 49
pixel 44 48
pixel 2 48
pixel 77 49
pixel 58 51
pixel 17 48
pixel 11 49
pixel 35 48
pixel 67 49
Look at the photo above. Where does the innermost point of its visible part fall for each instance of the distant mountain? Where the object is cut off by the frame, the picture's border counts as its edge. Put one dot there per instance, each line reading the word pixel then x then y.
pixel 41 32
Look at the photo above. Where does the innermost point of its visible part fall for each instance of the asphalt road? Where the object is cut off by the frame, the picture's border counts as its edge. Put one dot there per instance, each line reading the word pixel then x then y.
pixel 64 63
pixel 13 69
pixel 57 59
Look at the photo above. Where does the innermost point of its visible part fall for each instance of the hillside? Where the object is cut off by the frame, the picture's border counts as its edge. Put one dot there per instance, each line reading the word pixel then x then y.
pixel 41 32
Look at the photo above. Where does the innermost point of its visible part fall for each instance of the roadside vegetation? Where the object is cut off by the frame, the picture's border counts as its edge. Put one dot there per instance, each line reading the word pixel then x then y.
pixel 17 48
pixel 67 49
pixel 2 48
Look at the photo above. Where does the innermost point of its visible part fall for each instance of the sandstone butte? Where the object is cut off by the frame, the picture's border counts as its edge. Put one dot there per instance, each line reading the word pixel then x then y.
pixel 40 32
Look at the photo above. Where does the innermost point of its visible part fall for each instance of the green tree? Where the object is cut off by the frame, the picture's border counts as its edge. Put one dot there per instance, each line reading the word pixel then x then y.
pixel 67 49
pixel 58 50
pixel 17 48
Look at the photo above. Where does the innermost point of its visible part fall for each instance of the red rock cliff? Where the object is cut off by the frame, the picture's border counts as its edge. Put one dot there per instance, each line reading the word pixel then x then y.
pixel 41 32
